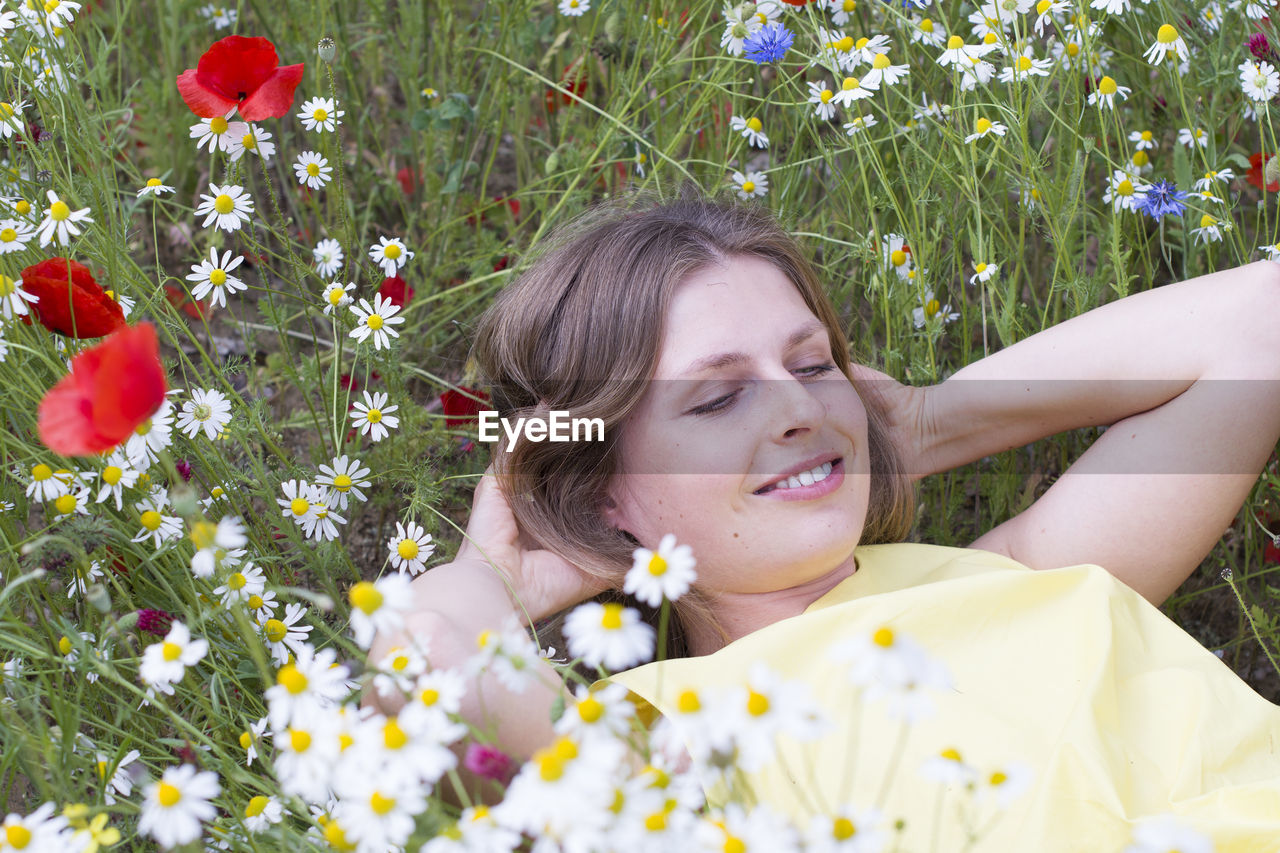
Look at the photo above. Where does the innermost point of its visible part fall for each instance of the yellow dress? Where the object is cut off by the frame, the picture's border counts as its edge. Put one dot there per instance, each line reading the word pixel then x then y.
pixel 1119 714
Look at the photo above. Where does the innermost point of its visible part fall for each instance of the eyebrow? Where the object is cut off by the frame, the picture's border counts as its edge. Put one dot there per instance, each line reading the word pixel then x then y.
pixel 728 359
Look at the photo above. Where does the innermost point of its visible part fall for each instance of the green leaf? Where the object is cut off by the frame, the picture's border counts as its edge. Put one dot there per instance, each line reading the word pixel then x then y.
pixel 557 709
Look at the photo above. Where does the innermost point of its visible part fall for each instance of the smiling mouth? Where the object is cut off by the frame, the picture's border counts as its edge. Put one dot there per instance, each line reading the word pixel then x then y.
pixel 805 478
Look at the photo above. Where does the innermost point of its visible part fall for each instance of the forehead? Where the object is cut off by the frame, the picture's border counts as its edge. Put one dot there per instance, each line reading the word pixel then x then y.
pixel 744 305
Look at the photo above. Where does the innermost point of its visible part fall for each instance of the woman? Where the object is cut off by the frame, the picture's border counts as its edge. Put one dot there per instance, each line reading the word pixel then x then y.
pixel 701 336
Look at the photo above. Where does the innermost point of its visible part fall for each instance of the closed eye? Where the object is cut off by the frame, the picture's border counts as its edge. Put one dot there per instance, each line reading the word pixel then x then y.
pixel 722 403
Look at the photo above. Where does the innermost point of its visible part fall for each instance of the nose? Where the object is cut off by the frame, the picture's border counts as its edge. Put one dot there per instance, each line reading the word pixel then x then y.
pixel 797 407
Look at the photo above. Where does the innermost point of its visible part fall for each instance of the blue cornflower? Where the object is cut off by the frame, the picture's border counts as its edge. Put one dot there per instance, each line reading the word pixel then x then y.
pixel 1162 197
pixel 768 44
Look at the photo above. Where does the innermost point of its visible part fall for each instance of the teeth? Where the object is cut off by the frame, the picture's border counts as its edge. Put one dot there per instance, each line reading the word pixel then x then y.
pixel 804 478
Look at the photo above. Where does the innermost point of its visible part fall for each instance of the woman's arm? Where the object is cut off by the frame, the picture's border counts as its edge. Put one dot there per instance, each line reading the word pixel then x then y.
pixel 1186 374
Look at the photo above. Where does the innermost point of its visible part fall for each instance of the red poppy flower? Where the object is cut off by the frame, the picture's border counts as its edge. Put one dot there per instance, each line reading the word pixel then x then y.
pixel 397 290
pixel 113 387
pixel 1257 163
pixel 408 178
pixel 459 408
pixel 574 79
pixel 71 302
pixel 178 299
pixel 240 72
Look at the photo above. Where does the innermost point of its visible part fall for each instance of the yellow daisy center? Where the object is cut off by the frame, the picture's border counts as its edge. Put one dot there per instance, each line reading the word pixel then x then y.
pixel 65 504
pixel 1166 34
pixel 150 520
pixel 883 637
pixel 932 307
pixel 898 257
pixel 688 702
pixel 590 709
pixel 374 416
pixel 826 95
pixel 1024 63
pixel 657 566
pixel 843 828
pixel 256 805
pixel 17 835
pixel 1107 86
pixel 218 125
pixel 408 549
pixel 313 169
pixel 111 475
pixel 249 141
pixel 1140 158
pixel 299 506
pixel 23 207
pixel 881 61
pixel 58 211
pixel 8 235
pixel 224 204
pixel 757 703
pixel 236 581
pixel 289 675
pixel 391 251
pixel 983 125
pixel 168 795
pixel 1125 187
pixel 41 472
pixel 342 482
pixel 850 83
pixel 299 741
pixel 926 25
pixel 748 186
pixel 320 114
pixel 171 651
pixel 366 598
pixel 218 277
pixel 954 43
pixel 373 321
pixel 612 617
pixel 277 631
pixel 755 124
pixel 336 294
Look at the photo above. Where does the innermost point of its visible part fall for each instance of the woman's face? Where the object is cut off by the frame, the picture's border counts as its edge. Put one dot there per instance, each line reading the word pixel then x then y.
pixel 746 392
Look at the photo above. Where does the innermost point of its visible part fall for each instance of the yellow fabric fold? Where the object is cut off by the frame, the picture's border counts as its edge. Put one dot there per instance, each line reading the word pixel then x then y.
pixel 1119 713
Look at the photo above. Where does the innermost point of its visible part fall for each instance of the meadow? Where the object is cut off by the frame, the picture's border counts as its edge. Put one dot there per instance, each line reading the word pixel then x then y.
pixel 242 250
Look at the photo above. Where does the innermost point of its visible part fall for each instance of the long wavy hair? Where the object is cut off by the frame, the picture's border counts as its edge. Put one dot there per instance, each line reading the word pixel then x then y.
pixel 580 329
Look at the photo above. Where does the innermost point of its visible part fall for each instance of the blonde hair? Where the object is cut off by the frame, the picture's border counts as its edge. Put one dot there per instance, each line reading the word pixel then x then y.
pixel 580 329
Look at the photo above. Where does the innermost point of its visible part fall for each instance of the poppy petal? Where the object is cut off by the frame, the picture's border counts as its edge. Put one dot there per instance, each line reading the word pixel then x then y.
pixel 65 422
pixel 111 388
pixel 199 100
pixel 274 98
pixel 234 67
pixel 138 381
pixel 71 302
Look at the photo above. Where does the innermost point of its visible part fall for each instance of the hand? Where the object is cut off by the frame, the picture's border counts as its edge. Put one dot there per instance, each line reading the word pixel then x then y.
pixel 540 581
pixel 907 409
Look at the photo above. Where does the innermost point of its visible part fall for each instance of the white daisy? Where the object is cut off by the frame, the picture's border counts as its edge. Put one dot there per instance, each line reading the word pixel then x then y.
pixel 666 573
pixel 574 8
pixel 379 607
pixel 374 415
pixel 155 187
pixel 1107 91
pixel 320 114
pixel 59 223
pixel 254 140
pixel 336 295
pixel 217 132
pixel 985 127
pixel 165 663
pixel 822 99
pixel 208 409
pixel 286 636
pixel 859 124
pixel 312 170
pixel 1167 41
pixel 116 476
pixel 376 321
pixel 227 206
pixel 346 477
pixel 752 129
pixel 983 272
pixel 327 256
pixel 1193 137
pixel 13 299
pixel 930 308
pixel 11 121
pixel 752 184
pixel 391 255
pixel 212 275
pixel 410 548
pixel 608 634
pixel 1259 80
pixel 174 807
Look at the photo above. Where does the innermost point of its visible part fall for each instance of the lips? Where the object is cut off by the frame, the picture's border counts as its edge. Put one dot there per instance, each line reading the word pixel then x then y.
pixel 797 469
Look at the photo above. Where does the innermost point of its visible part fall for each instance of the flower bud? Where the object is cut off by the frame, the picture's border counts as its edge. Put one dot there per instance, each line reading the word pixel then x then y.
pixel 1271 172
pixel 326 49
